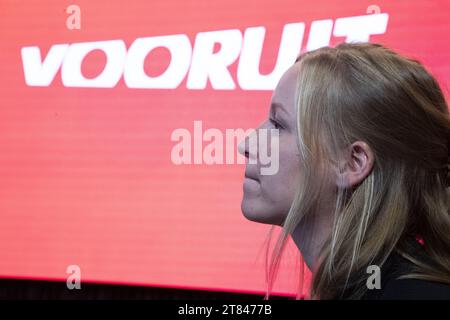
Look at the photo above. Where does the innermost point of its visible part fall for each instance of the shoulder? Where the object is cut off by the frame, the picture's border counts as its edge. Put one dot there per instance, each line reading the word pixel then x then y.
pixel 414 289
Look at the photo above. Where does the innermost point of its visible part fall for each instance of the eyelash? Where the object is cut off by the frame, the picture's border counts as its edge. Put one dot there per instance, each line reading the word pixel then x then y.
pixel 275 124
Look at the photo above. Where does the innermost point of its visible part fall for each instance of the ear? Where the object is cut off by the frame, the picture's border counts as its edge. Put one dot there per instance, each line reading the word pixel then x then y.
pixel 356 165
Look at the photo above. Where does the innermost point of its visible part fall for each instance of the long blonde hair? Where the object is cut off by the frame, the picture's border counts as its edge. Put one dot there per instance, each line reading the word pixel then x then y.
pixel 365 91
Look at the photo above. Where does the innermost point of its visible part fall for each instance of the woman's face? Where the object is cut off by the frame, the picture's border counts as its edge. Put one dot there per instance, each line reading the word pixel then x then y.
pixel 267 198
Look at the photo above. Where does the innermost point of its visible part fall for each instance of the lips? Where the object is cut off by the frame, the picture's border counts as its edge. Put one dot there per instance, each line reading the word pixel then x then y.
pixel 250 176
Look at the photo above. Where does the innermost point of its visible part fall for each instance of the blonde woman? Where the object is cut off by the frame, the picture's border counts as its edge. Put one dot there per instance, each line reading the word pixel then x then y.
pixel 362 182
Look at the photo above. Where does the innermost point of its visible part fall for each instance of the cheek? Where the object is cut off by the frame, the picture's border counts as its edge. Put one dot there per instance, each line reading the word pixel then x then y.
pixel 269 200
pixel 281 188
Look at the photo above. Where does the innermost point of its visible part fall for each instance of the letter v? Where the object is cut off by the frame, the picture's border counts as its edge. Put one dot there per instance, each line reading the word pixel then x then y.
pixel 41 73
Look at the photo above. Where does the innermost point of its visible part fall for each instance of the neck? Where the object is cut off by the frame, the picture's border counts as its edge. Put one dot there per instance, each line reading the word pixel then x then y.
pixel 310 235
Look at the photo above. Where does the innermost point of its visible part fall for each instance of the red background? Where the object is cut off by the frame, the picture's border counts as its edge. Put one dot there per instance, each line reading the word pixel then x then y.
pixel 86 175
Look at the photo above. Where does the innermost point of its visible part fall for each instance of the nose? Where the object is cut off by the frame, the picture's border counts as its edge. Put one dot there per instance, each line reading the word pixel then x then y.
pixel 242 150
pixel 243 147
pixel 249 146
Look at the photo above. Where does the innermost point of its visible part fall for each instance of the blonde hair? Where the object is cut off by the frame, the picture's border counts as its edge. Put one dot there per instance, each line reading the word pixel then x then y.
pixel 365 91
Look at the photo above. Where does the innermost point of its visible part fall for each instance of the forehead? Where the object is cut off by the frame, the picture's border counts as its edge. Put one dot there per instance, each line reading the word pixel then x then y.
pixel 284 92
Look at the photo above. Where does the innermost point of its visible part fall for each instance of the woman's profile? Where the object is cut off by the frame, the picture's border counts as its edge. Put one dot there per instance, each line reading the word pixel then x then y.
pixel 364 138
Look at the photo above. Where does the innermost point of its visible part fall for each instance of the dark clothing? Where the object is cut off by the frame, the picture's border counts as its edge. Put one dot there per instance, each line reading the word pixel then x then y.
pixel 408 289
pixel 400 289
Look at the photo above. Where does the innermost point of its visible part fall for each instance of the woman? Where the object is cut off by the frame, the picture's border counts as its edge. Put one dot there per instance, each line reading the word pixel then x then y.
pixel 362 182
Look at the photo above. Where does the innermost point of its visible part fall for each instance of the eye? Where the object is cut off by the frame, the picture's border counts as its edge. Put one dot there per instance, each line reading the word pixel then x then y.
pixel 275 123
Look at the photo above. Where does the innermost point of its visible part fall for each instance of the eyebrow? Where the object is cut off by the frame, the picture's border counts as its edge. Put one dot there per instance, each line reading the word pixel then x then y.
pixel 277 106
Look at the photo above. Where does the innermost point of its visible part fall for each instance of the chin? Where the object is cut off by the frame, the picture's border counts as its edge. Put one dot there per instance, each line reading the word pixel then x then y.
pixel 255 213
